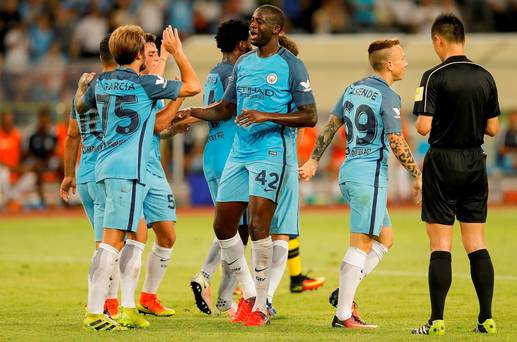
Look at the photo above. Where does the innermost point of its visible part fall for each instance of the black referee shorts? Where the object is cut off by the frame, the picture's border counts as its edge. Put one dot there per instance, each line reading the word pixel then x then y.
pixel 454 185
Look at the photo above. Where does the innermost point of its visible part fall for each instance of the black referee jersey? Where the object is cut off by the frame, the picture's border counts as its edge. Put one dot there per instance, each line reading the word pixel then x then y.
pixel 461 96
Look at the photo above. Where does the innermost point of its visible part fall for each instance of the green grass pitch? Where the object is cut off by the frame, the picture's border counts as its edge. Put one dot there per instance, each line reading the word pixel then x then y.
pixel 44 263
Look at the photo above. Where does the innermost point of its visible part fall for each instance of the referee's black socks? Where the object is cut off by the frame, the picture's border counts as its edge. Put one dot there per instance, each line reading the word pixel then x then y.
pixel 440 278
pixel 482 273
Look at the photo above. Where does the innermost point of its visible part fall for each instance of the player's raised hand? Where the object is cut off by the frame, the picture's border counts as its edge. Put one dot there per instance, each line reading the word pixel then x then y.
pixel 417 189
pixel 171 41
pixel 249 117
pixel 67 184
pixel 308 170
pixel 85 79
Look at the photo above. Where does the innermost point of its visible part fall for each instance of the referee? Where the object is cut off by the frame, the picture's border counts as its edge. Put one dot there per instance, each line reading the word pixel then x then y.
pixel 457 105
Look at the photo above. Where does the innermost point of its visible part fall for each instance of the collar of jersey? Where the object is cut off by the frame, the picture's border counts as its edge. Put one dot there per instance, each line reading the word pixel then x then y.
pixel 380 79
pixel 456 58
pixel 127 69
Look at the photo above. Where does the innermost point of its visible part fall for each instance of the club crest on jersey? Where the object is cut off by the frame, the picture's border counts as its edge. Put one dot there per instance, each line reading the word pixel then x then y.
pixel 272 78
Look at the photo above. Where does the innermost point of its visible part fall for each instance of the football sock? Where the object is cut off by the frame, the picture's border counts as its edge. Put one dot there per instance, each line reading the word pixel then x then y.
pixel 350 275
pixel 102 267
pixel 157 264
pixel 130 264
pixel 261 260
pixel 440 279
pixel 277 267
pixel 91 263
pixel 114 281
pixel 374 257
pixel 482 274
pixel 228 283
pixel 213 259
pixel 232 253
pixel 294 263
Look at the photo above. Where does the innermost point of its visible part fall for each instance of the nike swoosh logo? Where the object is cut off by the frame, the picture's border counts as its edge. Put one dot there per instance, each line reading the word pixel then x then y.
pixel 268 190
pixel 260 270
pixel 233 262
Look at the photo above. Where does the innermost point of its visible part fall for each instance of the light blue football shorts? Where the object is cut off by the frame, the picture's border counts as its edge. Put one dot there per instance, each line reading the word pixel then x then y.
pixel 124 203
pixel 93 199
pixel 287 214
pixel 368 207
pixel 159 203
pixel 213 186
pixel 241 180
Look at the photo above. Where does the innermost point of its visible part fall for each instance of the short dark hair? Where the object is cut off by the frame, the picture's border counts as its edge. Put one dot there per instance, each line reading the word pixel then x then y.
pixel 449 27
pixel 377 56
pixel 150 38
pixel 230 33
pixel 277 13
pixel 104 50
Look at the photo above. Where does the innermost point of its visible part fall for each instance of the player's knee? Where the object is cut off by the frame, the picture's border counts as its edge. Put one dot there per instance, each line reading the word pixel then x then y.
pixel 166 241
pixel 257 230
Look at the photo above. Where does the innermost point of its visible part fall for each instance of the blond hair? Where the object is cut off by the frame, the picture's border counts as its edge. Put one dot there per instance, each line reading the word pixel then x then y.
pixel 126 42
pixel 378 52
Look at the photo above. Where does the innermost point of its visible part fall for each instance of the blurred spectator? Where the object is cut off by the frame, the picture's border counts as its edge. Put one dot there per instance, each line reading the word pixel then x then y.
pixel 331 17
pixel 122 14
pixel 17 59
pixel 87 35
pixel 206 15
pixel 39 157
pixel 64 26
pixel 150 16
pixel 42 36
pixel 10 17
pixel 363 14
pixel 507 156
pixel 181 16
pixel 53 81
pixel 10 156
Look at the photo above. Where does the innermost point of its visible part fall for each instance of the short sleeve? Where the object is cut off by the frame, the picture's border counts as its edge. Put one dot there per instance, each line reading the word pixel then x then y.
pixel 158 88
pixel 425 96
pixel 492 107
pixel 390 109
pixel 230 94
pixel 300 85
pixel 89 96
pixel 339 108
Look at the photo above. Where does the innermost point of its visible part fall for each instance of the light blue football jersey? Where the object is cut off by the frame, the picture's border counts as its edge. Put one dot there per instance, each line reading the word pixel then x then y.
pixel 370 109
pixel 127 103
pixel 220 133
pixel 91 131
pixel 275 84
pixel 154 165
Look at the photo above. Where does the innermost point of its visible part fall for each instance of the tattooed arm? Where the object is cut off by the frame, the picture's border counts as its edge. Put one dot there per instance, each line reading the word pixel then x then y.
pixel 403 153
pixel 308 170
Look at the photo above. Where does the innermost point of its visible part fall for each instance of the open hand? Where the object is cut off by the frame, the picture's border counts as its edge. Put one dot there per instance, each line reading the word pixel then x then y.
pixel 308 170
pixel 171 41
pixel 249 117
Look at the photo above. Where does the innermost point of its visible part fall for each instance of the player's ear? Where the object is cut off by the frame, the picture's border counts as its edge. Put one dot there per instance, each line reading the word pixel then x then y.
pixel 277 29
